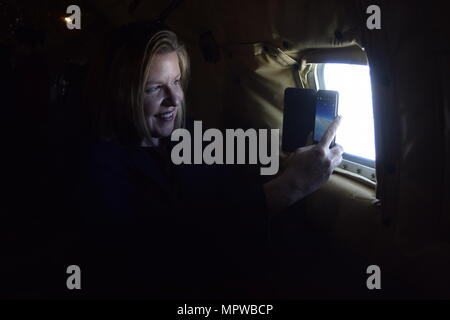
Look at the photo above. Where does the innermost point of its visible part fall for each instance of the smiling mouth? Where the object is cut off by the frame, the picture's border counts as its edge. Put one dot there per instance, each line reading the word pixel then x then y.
pixel 166 116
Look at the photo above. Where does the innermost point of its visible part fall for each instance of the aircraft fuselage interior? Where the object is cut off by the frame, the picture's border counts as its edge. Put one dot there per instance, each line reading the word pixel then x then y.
pixel 197 149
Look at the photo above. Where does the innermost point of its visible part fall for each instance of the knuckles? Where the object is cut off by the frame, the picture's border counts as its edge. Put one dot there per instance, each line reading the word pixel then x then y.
pixel 326 162
pixel 319 153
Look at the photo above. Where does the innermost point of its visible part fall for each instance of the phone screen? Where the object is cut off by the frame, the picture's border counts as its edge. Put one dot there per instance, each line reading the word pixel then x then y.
pixel 326 112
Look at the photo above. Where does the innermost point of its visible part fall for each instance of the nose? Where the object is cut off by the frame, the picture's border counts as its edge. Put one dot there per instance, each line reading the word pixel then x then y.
pixel 172 98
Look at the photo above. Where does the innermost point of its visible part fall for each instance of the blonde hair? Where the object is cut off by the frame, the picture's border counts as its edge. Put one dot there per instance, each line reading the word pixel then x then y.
pixel 116 84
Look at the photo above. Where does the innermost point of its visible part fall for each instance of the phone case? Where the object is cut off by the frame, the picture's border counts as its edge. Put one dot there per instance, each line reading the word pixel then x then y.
pixel 298 117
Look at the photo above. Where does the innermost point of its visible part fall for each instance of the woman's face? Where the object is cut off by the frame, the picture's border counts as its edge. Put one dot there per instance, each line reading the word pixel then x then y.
pixel 163 94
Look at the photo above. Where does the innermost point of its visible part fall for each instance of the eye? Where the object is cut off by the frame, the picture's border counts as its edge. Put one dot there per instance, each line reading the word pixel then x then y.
pixel 152 90
pixel 177 82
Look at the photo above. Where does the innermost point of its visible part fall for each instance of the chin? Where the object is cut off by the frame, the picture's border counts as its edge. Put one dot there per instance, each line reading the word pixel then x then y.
pixel 164 132
pixel 163 129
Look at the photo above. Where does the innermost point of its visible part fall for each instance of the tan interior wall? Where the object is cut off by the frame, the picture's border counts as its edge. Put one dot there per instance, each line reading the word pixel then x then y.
pixel 258 45
pixel 256 68
pixel 408 101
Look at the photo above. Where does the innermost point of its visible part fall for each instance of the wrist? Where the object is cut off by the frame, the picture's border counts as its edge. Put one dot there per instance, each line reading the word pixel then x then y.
pixel 292 190
pixel 282 192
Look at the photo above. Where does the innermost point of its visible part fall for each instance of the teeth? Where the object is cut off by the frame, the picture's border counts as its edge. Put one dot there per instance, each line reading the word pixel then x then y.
pixel 167 115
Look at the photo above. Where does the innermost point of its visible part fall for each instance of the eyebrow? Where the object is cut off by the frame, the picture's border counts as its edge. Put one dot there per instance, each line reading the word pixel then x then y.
pixel 157 82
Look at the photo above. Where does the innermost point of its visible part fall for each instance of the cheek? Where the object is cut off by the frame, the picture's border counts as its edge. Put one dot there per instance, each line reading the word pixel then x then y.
pixel 151 106
pixel 180 94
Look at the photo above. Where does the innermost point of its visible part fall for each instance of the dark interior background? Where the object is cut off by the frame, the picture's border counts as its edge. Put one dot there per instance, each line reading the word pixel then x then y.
pixel 42 72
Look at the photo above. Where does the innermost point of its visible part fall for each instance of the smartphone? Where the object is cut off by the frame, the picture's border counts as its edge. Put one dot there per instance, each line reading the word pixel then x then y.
pixel 326 111
pixel 298 117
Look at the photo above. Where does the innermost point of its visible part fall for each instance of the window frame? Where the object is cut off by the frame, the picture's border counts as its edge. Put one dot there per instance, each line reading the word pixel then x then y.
pixel 352 163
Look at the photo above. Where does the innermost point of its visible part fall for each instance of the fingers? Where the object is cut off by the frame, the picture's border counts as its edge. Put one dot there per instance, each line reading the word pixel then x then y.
pixel 330 133
pixel 336 162
pixel 336 155
pixel 337 150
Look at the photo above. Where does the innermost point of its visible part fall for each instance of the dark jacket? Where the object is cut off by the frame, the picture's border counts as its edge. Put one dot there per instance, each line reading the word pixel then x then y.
pixel 157 230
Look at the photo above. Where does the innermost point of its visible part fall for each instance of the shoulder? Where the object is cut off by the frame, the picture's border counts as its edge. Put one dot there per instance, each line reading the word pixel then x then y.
pixel 106 158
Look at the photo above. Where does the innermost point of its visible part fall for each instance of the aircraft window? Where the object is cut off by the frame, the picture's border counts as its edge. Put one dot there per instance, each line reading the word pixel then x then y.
pixel 356 134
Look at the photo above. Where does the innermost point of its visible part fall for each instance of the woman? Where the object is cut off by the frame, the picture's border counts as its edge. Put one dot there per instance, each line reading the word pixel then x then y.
pixel 153 229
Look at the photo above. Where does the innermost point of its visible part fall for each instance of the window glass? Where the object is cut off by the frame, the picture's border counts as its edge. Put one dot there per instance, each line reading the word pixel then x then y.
pixel 356 133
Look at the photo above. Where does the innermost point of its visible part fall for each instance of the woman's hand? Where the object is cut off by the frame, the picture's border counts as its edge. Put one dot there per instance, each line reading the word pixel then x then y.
pixel 307 169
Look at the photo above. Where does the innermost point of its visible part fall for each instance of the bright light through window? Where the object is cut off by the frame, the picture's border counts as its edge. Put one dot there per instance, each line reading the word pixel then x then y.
pixel 356 133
